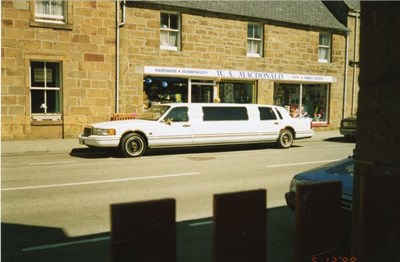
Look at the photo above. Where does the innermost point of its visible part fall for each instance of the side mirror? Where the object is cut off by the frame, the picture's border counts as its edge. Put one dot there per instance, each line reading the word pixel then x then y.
pixel 168 121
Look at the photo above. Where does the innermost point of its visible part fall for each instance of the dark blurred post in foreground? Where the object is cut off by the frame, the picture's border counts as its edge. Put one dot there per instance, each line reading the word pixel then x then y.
pixel 376 226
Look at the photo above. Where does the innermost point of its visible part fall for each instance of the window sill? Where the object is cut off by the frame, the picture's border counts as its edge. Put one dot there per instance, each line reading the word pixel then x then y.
pixel 169 48
pixel 50 25
pixel 323 61
pixel 46 123
pixel 46 117
pixel 254 55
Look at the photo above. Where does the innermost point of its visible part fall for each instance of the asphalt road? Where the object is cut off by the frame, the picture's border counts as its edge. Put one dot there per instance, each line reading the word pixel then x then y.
pixel 59 203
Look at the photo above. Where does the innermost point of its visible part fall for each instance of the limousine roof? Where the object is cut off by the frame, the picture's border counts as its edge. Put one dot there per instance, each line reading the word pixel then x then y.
pixel 217 104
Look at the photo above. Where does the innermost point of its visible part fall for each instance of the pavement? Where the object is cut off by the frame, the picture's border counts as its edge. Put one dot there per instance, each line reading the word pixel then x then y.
pixel 65 146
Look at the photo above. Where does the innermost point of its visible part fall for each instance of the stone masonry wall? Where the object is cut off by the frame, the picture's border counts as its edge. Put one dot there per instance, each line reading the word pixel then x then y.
pixel 86 51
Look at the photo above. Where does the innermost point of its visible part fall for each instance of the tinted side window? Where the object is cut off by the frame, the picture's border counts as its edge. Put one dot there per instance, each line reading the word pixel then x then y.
pixel 279 113
pixel 266 113
pixel 178 114
pixel 225 113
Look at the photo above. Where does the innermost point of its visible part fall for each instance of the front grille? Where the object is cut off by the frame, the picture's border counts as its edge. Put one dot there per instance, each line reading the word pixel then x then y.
pixel 349 124
pixel 346 204
pixel 87 131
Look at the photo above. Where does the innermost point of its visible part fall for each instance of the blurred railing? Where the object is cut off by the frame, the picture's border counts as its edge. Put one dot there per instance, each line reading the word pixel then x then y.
pixel 123 116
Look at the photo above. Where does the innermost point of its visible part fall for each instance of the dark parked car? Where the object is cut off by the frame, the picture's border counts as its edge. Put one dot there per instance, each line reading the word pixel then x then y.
pixel 348 127
pixel 338 171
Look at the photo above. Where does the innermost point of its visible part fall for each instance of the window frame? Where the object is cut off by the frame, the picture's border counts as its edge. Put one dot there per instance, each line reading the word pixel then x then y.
pixel 326 48
pixel 267 113
pixel 51 18
pixel 254 39
pixel 170 30
pixel 184 110
pixel 52 21
pixel 54 116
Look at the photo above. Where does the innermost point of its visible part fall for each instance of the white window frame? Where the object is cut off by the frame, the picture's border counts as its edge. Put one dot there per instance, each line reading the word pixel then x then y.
pixel 168 31
pixel 50 14
pixel 325 49
pixel 54 116
pixel 253 39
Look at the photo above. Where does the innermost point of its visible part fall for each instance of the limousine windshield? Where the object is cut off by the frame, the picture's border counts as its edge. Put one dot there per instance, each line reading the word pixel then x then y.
pixel 154 113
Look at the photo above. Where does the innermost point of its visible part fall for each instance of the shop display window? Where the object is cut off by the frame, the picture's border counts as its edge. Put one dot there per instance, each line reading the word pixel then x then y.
pixel 202 91
pixel 237 92
pixel 303 100
pixel 159 90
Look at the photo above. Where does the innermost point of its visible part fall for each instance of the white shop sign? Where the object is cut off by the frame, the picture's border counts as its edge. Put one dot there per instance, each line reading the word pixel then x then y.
pixel 215 73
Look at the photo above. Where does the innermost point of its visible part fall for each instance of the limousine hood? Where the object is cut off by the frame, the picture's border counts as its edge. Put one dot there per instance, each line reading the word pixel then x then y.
pixel 337 171
pixel 123 123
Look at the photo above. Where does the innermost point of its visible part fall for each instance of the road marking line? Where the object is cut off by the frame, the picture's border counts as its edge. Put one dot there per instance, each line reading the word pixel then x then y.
pixel 100 181
pixel 52 163
pixel 304 163
pixel 201 223
pixel 50 246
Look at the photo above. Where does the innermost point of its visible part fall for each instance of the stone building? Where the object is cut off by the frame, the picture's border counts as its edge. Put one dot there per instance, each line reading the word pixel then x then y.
pixel 348 13
pixel 66 64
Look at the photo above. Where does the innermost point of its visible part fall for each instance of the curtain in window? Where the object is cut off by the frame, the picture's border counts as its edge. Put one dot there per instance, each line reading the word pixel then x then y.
pixel 169 38
pixel 173 39
pixel 164 38
pixel 254 38
pixel 52 8
pixel 323 53
pixel 253 47
pixel 324 39
pixel 324 46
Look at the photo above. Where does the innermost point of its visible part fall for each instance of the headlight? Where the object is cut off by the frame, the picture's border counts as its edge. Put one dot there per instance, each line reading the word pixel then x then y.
pixel 294 183
pixel 103 132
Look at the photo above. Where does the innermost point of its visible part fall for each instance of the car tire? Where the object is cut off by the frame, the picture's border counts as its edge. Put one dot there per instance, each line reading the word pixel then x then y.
pixel 133 145
pixel 285 139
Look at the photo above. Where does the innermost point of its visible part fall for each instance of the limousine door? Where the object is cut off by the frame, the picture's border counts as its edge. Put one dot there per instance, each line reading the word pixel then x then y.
pixel 175 128
pixel 269 125
pixel 225 125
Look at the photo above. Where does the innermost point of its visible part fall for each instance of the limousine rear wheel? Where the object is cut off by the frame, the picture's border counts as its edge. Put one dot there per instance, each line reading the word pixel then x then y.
pixel 285 139
pixel 133 145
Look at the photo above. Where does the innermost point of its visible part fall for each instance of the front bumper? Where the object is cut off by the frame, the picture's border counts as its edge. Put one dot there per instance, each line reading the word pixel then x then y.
pixel 99 141
pixel 290 200
pixel 348 131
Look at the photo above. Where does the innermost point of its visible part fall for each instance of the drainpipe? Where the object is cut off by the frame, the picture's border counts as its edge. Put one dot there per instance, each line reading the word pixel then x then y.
pixel 355 64
pixel 118 5
pixel 346 69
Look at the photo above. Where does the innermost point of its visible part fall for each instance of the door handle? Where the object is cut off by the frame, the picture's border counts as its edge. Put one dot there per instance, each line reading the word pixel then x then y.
pixel 186 125
pixel 276 123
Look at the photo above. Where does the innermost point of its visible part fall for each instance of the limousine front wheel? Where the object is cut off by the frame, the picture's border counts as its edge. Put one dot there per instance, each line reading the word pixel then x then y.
pixel 285 139
pixel 133 145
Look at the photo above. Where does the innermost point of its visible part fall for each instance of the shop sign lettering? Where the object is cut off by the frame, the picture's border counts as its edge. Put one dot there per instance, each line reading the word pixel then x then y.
pixel 190 72
pixel 249 75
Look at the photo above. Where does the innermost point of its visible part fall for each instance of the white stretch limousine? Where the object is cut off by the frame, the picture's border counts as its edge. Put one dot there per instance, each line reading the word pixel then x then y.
pixel 181 125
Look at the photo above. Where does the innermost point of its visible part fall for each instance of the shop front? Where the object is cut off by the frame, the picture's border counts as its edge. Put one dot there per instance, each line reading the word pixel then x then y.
pixel 304 100
pixel 164 89
pixel 301 95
